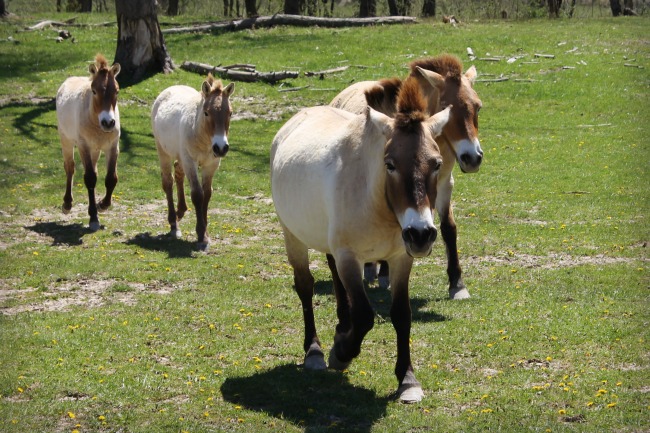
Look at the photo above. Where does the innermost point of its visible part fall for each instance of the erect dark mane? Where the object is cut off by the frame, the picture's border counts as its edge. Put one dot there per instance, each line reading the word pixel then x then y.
pixel 385 92
pixel 410 105
pixel 445 64
pixel 215 85
pixel 101 62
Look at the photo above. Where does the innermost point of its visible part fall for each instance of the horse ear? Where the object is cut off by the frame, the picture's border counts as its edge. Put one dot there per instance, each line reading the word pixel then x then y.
pixel 438 121
pixel 92 68
pixel 380 121
pixel 471 74
pixel 434 78
pixel 115 69
pixel 230 88
pixel 206 87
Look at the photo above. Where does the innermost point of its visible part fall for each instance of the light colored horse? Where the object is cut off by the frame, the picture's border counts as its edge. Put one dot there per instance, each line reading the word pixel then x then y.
pixel 358 188
pixel 88 119
pixel 442 82
pixel 191 131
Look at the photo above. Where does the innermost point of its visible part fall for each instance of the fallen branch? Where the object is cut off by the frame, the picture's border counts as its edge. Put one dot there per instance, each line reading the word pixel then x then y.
pixel 545 56
pixel 289 20
pixel 236 75
pixel 49 23
pixel 326 71
pixel 493 80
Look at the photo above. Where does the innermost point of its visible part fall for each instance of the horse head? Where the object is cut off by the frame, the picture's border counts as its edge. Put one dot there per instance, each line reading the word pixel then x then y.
pixel 105 90
pixel 217 113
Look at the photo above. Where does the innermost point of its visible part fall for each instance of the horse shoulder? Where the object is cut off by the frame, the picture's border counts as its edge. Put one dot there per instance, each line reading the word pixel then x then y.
pixel 73 107
pixel 174 117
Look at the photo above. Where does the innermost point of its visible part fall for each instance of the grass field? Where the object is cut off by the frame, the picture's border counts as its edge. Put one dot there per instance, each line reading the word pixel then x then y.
pixel 123 330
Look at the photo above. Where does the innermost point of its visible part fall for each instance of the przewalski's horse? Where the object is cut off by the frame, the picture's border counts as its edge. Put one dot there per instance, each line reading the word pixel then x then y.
pixel 358 188
pixel 443 83
pixel 191 131
pixel 88 118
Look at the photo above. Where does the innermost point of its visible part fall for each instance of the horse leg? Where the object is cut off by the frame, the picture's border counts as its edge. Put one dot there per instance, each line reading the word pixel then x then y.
pixel 207 172
pixel 168 188
pixel 382 277
pixel 179 177
pixel 67 147
pixel 89 161
pixel 111 177
pixel 457 289
pixel 347 345
pixel 304 285
pixel 342 308
pixel 197 194
pixel 409 389
pixel 370 272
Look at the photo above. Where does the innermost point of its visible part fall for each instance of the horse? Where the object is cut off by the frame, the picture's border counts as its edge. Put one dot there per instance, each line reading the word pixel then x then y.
pixel 442 82
pixel 358 188
pixel 88 119
pixel 191 131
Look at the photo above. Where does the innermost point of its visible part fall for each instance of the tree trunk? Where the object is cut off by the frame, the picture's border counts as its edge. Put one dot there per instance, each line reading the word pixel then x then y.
pixel 392 8
pixel 616 7
pixel 141 49
pixel 86 5
pixel 292 7
pixel 251 8
pixel 367 8
pixel 3 9
pixel 554 8
pixel 429 8
pixel 172 8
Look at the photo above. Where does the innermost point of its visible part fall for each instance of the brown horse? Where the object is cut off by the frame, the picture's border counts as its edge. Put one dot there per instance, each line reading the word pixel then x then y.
pixel 442 83
pixel 88 119
pixel 358 188
pixel 191 131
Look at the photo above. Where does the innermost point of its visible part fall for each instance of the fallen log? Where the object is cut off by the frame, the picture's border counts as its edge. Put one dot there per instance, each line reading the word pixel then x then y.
pixel 326 71
pixel 289 20
pixel 237 75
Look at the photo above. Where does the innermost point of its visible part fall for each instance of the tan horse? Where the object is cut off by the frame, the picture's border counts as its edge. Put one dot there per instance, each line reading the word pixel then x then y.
pixel 442 83
pixel 191 131
pixel 358 188
pixel 88 119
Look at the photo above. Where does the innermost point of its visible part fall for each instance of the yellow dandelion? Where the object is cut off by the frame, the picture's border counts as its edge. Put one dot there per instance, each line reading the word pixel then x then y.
pixel 101 418
pixel 71 415
pixel 562 412
pixel 612 404
pixel 20 389
pixel 590 403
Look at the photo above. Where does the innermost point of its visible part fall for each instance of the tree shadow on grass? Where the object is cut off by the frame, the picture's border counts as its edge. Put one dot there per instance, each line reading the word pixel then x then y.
pixel 61 234
pixel 175 248
pixel 315 400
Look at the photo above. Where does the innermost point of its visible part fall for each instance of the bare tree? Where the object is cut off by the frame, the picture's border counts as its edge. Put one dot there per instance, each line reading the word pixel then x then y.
pixel 3 9
pixel 172 8
pixel 251 8
pixel 429 8
pixel 141 49
pixel 554 8
pixel 86 5
pixel 368 8
pixel 616 7
pixel 292 7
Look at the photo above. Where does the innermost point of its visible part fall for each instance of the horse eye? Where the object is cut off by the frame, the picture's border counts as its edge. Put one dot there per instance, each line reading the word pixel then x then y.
pixel 94 92
pixel 205 113
pixel 390 166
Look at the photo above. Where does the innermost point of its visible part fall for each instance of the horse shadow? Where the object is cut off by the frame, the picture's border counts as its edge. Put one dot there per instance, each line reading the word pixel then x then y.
pixel 61 234
pixel 175 248
pixel 314 400
pixel 380 299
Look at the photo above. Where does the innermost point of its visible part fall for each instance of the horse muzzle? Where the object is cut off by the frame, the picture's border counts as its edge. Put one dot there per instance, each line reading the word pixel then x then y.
pixel 469 155
pixel 220 151
pixel 419 241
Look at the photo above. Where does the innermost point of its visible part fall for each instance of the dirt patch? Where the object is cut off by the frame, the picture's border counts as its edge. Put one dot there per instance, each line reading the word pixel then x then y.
pixel 87 293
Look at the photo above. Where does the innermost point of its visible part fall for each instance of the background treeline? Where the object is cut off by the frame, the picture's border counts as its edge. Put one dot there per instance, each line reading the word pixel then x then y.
pixel 461 9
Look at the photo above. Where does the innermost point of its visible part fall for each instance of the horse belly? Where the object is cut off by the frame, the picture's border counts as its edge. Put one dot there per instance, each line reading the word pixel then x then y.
pixel 172 113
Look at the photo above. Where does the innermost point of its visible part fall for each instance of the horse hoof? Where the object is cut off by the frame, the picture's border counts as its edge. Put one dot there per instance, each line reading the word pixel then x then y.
pixel 384 282
pixel 458 293
pixel 101 207
pixel 66 209
pixel 334 362
pixel 314 358
pixel 203 246
pixel 94 226
pixel 410 393
pixel 175 234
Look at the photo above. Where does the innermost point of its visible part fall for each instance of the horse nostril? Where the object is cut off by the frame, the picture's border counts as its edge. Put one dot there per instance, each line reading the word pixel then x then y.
pixel 220 150
pixel 419 236
pixel 108 123
pixel 465 158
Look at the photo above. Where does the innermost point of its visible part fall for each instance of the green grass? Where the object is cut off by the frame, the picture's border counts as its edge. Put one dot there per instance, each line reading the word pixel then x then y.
pixel 126 331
